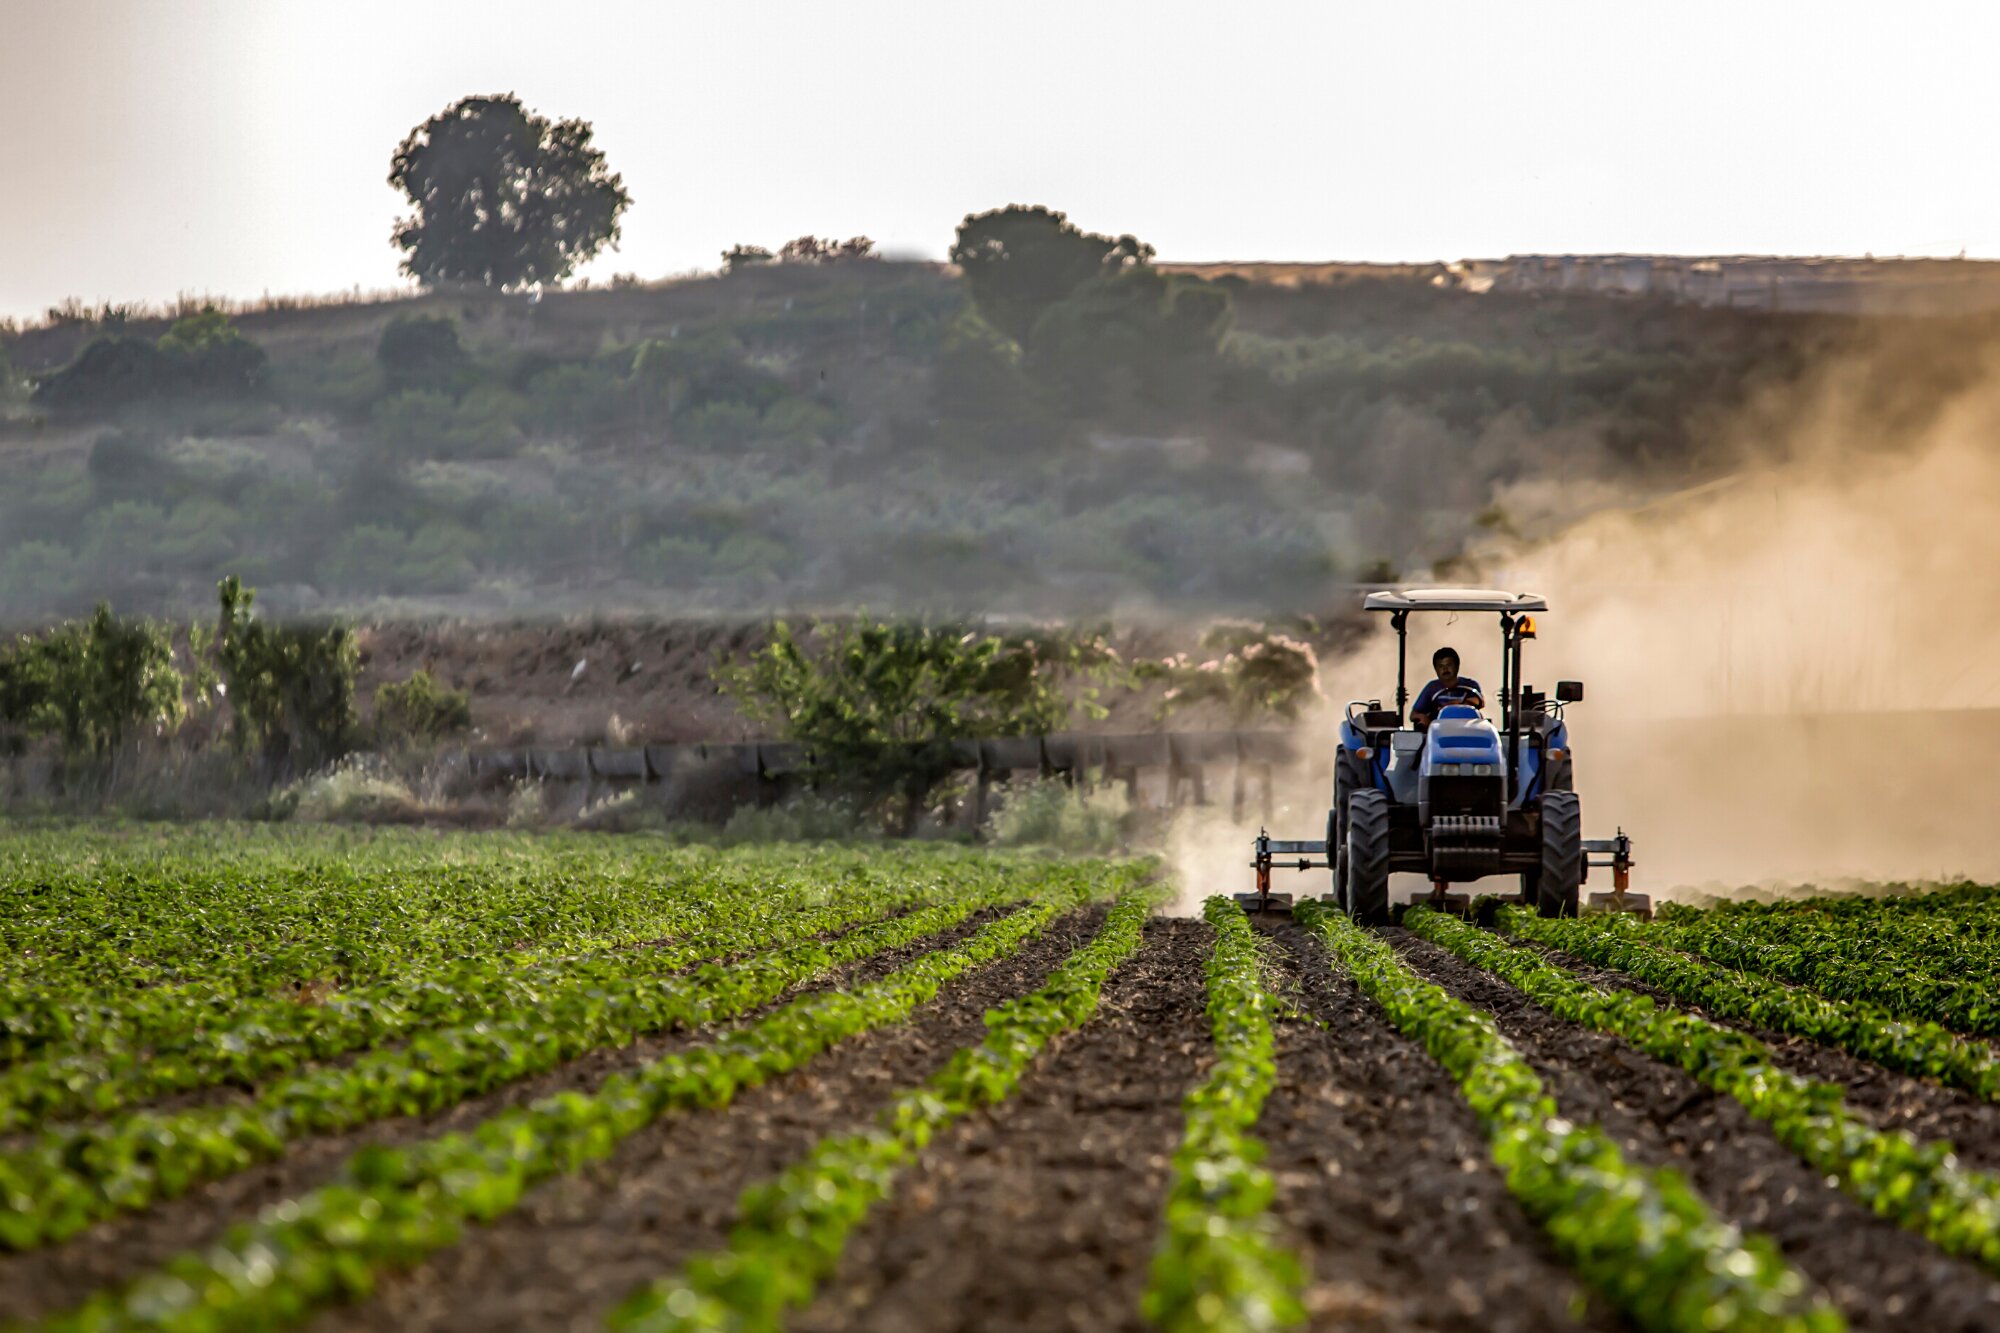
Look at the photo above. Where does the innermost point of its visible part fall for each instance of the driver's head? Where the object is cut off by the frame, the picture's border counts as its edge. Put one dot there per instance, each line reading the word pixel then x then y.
pixel 1445 662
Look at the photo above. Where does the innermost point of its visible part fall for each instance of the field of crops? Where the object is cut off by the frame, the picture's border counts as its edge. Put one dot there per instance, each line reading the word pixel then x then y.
pixel 258 1078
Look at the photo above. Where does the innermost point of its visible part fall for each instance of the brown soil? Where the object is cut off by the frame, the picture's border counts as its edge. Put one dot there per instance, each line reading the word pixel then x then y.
pixel 1043 1213
pixel 579 1244
pixel 1881 1277
pixel 1921 1107
pixel 38 1282
pixel 1385 1175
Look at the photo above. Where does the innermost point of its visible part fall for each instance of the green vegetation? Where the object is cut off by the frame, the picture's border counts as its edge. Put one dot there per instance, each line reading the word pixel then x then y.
pixel 1643 1238
pixel 203 354
pixel 136 972
pixel 790 1231
pixel 1907 956
pixel 1220 1265
pixel 502 196
pixel 1066 429
pixel 290 687
pixel 90 685
pixel 420 709
pixel 390 1207
pixel 880 705
pixel 1918 1185
pixel 1869 1031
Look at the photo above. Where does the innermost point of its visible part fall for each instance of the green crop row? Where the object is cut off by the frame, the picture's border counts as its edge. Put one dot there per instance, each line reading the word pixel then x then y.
pixel 133 952
pixel 1924 1049
pixel 259 1041
pixel 391 1207
pixel 1908 976
pixel 1641 1237
pixel 1220 1264
pixel 73 1175
pixel 790 1230
pixel 1919 1186
pixel 245 908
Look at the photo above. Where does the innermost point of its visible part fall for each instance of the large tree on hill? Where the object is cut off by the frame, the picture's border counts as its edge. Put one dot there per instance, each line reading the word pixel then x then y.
pixel 1019 261
pixel 502 196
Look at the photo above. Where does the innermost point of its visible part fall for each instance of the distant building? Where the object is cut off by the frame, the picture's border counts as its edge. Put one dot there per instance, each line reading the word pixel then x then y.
pixel 1767 282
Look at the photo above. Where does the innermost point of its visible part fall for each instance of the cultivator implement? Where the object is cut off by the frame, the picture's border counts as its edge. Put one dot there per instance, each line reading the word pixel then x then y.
pixel 1615 855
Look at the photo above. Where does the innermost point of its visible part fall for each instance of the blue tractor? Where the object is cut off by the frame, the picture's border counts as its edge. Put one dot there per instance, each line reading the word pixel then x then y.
pixel 1461 799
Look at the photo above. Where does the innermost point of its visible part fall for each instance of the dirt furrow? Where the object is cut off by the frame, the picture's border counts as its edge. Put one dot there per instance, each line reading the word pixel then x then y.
pixel 1881 1277
pixel 580 1243
pixel 1385 1177
pixel 1042 1214
pixel 116 1250
pixel 1887 1099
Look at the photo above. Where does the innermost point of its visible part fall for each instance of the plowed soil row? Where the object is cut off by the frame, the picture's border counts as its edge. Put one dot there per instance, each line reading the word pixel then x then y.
pixel 1881 1277
pixel 1385 1177
pixel 580 1243
pixel 39 1282
pixel 1042 1214
pixel 1890 1100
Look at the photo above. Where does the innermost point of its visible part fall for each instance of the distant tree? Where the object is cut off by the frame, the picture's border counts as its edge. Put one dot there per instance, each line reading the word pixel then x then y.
pixel 503 196
pixel 1019 261
pixel 421 352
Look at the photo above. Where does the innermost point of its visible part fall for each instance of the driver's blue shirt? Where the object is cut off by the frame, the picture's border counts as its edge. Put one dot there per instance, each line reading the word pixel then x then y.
pixel 1427 697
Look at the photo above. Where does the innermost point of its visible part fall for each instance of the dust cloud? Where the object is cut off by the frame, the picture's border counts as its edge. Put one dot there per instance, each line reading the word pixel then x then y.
pixel 1793 673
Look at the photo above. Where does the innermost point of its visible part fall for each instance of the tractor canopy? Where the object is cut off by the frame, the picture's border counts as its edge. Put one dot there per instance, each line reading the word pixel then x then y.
pixel 1452 599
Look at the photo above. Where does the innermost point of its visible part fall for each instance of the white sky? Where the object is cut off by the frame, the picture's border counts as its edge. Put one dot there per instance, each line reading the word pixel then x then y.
pixel 149 147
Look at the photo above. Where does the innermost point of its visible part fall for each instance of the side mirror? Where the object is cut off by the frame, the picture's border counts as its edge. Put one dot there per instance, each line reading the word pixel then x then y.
pixel 1569 691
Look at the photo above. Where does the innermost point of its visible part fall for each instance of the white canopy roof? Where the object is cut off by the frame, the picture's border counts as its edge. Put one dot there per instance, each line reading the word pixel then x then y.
pixel 1453 599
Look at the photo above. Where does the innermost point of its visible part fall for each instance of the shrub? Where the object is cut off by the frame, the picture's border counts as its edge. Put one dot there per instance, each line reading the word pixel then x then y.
pixel 1048 813
pixel 124 537
pixel 291 687
pixel 356 789
pixel 421 709
pixel 576 397
pixel 719 424
pixel 37 577
pixel 214 355
pixel 422 352
pixel 110 371
pixel 130 465
pixel 878 704
pixel 91 684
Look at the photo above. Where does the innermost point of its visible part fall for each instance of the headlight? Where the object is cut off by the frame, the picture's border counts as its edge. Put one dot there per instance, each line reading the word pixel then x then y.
pixel 1447 770
pixel 1483 770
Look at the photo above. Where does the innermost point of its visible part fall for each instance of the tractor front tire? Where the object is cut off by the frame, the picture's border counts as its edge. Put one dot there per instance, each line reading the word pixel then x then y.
pixel 1561 873
pixel 1368 858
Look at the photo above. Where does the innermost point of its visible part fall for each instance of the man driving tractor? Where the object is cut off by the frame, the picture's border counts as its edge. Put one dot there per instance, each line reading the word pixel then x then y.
pixel 1448 688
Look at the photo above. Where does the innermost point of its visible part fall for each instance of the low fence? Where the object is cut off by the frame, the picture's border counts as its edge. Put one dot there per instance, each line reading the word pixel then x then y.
pixel 1176 768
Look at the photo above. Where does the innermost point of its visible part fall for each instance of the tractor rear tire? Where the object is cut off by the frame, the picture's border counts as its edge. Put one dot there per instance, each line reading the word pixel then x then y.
pixel 1561 874
pixel 1336 852
pixel 1368 858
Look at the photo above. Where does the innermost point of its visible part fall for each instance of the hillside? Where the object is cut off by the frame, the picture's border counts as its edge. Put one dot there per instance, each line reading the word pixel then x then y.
pixel 819 436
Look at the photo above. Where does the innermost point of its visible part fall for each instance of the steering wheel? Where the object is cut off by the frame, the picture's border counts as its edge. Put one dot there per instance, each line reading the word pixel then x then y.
pixel 1456 694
